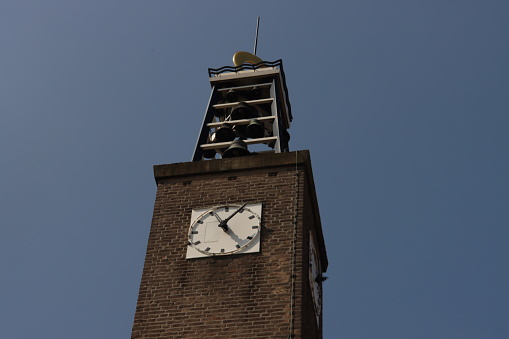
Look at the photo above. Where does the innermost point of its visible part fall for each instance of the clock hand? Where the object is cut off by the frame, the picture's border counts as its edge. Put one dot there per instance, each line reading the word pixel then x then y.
pixel 217 217
pixel 237 211
pixel 224 223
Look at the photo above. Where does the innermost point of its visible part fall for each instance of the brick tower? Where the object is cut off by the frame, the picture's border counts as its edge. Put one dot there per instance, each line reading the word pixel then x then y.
pixel 236 247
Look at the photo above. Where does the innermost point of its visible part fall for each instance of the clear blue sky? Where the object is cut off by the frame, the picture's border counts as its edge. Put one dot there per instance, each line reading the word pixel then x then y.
pixel 403 104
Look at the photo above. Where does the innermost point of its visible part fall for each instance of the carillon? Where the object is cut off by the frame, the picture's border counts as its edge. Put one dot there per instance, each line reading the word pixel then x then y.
pixel 248 105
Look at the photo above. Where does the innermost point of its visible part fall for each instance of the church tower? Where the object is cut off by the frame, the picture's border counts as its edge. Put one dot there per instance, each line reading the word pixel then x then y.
pixel 236 248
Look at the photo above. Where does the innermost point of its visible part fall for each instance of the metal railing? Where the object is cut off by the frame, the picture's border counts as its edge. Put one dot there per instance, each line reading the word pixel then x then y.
pixel 244 67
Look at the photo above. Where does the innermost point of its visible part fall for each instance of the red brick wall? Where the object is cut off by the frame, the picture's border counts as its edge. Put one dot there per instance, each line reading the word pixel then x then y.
pixel 235 296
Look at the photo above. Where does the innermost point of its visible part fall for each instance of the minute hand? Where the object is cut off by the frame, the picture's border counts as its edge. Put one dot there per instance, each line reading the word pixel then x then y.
pixel 223 224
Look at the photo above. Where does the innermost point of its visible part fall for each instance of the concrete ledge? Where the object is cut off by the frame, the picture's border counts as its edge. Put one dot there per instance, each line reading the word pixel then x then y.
pixel 256 161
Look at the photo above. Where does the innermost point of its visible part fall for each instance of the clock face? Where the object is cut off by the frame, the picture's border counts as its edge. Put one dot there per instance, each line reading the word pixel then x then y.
pixel 224 230
pixel 314 278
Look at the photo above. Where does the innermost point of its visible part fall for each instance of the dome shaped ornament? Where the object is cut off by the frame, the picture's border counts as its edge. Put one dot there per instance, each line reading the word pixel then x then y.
pixel 241 58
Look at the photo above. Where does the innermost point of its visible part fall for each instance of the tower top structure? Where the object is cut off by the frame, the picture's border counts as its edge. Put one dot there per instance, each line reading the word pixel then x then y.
pixel 248 105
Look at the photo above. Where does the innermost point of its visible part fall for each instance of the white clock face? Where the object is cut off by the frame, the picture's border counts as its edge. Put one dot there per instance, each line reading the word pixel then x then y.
pixel 223 230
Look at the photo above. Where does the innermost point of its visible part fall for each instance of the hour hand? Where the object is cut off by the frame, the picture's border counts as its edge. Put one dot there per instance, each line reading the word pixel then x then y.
pixel 217 217
pixel 223 225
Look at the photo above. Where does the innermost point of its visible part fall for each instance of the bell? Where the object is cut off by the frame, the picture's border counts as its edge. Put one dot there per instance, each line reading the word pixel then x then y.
pixel 238 148
pixel 255 129
pixel 223 133
pixel 209 153
pixel 243 111
pixel 255 93
pixel 240 130
pixel 232 96
pixel 285 136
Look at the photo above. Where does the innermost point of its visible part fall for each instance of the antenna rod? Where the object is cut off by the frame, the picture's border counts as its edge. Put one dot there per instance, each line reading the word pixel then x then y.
pixel 256 38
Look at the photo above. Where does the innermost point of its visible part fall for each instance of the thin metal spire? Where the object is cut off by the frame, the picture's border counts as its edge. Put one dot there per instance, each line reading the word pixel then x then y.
pixel 256 38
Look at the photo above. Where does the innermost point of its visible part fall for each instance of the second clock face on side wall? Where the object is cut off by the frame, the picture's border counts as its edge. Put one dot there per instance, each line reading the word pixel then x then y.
pixel 224 230
pixel 315 274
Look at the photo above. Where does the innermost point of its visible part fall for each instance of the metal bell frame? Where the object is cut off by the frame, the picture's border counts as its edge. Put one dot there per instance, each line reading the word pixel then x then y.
pixel 239 83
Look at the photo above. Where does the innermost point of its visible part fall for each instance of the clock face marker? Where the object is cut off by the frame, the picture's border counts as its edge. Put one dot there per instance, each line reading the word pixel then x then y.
pixel 226 209
pixel 254 227
pixel 250 237
pixel 194 232
pixel 222 250
pixel 207 249
pixel 197 242
pixel 238 246
pixel 241 210
pixel 199 222
pixel 252 217
pixel 211 213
